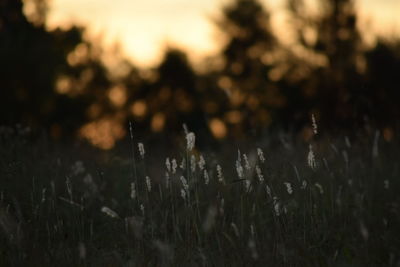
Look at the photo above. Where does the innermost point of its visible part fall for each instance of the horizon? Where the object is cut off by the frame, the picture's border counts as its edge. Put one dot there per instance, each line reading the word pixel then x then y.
pixel 153 25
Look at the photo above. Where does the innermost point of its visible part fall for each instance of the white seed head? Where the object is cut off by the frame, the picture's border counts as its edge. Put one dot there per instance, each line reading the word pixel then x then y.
pixel 206 178
pixel 304 184
pixel 260 154
pixel 184 183
pixel 190 141
pixel 148 183
pixel 133 191
pixel 202 162
pixel 239 169
pixel 277 207
pixel 109 212
pixel 193 163
pixel 183 194
pixel 131 130
pixel 311 158
pixel 289 188
pixel 247 185
pixel 141 150
pixel 167 180
pixel 168 164
pixel 314 124
pixel 259 174
pixel 174 166
pixel 183 164
pixel 219 174
pixel 246 162
pixel 142 208
pixel 268 190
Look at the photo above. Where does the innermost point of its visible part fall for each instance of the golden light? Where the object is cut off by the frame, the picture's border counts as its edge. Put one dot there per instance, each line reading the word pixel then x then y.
pixel 102 133
pixel 210 107
pixel 63 85
pixel 139 109
pixel 94 111
pixel 225 82
pixel 117 95
pixel 218 128
pixel 233 117
pixel 79 55
pixel 388 134
pixel 158 122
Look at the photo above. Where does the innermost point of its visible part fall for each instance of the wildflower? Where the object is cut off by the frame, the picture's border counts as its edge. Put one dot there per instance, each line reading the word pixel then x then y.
pixel 246 162
pixel 247 185
pixel 167 180
pixel 109 212
pixel 314 124
pixel 206 177
pixel 183 194
pixel 184 183
pixel 239 169
pixel 221 207
pixel 259 174
pixel 193 163
pixel 142 208
pixel 304 184
pixel 268 190
pixel 260 155
pixel 311 158
pixel 133 191
pixel 190 141
pixel 289 188
pixel 148 183
pixel 168 164
pixel 276 206
pixel 202 162
pixel 183 164
pixel 174 166
pixel 131 130
pixel 141 149
pixel 219 174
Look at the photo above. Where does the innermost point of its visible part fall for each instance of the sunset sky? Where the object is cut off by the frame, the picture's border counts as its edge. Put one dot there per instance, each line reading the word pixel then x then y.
pixel 144 28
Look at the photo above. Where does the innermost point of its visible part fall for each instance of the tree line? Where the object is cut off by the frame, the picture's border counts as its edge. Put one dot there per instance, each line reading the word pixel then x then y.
pixel 57 81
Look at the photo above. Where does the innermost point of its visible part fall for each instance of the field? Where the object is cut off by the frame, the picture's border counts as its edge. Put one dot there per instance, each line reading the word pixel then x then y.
pixel 278 201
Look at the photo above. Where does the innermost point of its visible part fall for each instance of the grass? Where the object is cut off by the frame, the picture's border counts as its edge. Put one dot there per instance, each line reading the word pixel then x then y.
pixel 75 206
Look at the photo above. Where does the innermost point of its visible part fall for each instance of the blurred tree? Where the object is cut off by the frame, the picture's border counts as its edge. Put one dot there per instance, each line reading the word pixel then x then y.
pixel 383 84
pixel 335 87
pixel 250 66
pixel 171 97
pixel 45 75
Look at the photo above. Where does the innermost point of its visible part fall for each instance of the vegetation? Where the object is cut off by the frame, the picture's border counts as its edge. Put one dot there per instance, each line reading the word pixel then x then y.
pixel 330 202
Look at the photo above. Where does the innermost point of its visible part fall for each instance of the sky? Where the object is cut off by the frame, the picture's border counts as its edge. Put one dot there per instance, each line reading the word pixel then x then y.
pixel 144 29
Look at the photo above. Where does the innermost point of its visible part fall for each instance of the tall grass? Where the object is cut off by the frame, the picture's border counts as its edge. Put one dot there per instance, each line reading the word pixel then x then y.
pixel 331 202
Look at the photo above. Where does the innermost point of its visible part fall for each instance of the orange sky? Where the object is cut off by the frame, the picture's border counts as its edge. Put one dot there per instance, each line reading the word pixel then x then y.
pixel 143 28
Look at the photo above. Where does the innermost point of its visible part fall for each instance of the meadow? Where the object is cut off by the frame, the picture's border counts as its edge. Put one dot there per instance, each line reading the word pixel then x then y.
pixel 279 201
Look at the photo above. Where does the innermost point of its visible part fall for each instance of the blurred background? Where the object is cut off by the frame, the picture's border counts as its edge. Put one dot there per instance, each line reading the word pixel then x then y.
pixel 228 69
